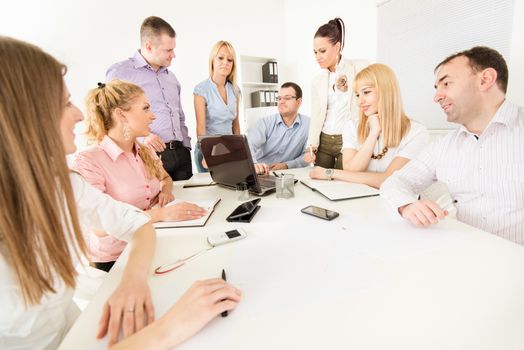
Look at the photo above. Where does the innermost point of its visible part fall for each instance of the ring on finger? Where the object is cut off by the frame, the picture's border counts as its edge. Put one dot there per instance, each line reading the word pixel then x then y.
pixel 131 309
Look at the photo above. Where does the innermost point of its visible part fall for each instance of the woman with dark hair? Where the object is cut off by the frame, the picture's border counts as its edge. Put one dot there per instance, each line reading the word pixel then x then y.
pixel 45 206
pixel 332 98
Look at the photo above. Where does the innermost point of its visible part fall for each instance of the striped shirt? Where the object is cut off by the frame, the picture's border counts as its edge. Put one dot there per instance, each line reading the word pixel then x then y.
pixel 485 175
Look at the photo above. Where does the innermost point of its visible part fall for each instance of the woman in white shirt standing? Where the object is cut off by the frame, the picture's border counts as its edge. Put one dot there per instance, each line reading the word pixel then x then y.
pixel 333 104
pixel 385 138
pixel 44 208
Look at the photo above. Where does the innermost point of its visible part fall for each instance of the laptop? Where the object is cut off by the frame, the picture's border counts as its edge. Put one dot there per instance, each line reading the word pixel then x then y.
pixel 229 161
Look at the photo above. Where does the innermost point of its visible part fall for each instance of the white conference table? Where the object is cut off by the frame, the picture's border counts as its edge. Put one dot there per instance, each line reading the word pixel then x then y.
pixel 366 280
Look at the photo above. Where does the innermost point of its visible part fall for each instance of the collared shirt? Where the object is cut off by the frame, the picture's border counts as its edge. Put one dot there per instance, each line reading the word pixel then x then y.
pixel 485 176
pixel 410 146
pixel 271 141
pixel 43 326
pixel 219 115
pixel 123 176
pixel 337 113
pixel 163 91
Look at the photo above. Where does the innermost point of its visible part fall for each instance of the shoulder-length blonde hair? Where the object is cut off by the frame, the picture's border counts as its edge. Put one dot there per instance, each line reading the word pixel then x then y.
pixel 101 103
pixel 393 121
pixel 232 77
pixel 39 227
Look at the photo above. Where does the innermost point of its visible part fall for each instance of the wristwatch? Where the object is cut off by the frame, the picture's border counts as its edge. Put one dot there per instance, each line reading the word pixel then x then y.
pixel 329 173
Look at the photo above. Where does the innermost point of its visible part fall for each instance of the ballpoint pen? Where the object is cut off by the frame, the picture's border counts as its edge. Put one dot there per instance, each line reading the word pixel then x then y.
pixel 224 314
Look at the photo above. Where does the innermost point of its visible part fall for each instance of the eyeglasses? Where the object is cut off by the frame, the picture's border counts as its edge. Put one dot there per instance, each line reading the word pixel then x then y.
pixel 285 98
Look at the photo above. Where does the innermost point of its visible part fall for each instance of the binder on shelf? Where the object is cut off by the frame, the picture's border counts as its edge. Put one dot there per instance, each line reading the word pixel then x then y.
pixel 272 101
pixel 268 97
pixel 258 99
pixel 269 72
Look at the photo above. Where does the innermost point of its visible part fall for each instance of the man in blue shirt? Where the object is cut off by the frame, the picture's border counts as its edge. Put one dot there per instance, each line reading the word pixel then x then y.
pixel 279 140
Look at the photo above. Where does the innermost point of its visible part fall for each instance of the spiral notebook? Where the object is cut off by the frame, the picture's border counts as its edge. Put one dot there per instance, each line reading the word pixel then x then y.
pixel 209 205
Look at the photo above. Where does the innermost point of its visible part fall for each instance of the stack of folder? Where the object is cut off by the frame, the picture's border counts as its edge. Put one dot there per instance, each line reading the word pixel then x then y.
pixel 270 73
pixel 264 98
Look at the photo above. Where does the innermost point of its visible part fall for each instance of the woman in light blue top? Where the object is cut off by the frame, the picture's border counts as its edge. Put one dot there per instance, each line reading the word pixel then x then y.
pixel 217 98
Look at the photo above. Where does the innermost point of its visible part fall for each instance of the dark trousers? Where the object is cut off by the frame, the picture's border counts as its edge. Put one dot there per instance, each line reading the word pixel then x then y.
pixel 329 151
pixel 176 159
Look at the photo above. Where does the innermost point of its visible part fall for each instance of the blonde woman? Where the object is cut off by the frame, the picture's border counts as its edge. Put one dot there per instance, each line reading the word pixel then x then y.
pixel 119 112
pixel 385 138
pixel 333 103
pixel 44 206
pixel 217 98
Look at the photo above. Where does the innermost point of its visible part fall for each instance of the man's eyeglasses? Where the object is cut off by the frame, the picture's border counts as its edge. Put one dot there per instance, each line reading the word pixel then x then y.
pixel 285 98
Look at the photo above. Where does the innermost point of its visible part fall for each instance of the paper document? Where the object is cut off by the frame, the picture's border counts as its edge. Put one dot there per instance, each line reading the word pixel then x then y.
pixel 208 205
pixel 199 179
pixel 339 190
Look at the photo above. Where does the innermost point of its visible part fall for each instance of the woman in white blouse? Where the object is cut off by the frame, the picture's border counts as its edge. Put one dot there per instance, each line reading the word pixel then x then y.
pixel 44 209
pixel 385 139
pixel 333 103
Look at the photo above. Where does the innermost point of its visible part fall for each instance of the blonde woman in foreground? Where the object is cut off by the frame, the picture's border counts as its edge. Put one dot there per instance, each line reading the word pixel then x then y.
pixel 44 206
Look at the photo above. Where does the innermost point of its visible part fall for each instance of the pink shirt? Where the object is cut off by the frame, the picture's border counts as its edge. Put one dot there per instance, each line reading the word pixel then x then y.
pixel 122 175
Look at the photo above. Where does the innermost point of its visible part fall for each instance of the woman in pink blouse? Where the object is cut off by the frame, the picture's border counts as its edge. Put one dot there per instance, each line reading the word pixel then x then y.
pixel 119 112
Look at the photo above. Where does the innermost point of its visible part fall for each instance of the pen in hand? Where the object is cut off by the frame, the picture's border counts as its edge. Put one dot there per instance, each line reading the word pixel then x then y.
pixel 224 314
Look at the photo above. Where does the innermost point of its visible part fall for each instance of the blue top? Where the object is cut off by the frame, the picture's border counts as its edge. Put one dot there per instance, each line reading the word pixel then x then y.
pixel 219 116
pixel 271 141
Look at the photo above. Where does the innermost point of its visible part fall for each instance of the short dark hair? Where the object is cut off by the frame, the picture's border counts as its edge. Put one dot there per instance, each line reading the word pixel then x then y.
pixel 482 57
pixel 298 90
pixel 153 27
pixel 334 31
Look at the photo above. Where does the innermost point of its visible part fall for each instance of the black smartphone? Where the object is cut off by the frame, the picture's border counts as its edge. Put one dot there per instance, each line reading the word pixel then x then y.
pixel 320 212
pixel 244 209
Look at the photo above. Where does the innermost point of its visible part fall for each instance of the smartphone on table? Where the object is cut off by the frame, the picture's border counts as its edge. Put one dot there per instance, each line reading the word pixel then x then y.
pixel 320 212
pixel 244 209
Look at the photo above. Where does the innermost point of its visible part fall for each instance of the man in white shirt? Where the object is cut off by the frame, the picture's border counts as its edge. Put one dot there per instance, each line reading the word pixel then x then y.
pixel 482 162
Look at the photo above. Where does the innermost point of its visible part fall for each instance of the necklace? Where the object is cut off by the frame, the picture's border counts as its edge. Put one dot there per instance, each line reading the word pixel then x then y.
pixel 381 154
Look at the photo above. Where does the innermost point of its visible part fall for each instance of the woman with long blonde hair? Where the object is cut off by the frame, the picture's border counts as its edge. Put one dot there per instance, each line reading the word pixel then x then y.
pixel 385 138
pixel 44 208
pixel 217 98
pixel 117 114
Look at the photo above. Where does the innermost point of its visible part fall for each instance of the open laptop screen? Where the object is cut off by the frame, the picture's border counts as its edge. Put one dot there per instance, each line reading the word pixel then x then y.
pixel 229 160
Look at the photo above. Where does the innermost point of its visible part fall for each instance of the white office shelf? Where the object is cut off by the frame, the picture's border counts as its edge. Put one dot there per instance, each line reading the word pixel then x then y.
pixel 250 80
pixel 258 84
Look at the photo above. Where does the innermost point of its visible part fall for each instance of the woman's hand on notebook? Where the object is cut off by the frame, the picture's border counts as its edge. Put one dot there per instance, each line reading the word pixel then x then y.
pixel 182 211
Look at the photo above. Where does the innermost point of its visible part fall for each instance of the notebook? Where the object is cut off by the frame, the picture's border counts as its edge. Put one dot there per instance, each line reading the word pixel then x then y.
pixel 339 190
pixel 209 205
pixel 199 180
pixel 229 160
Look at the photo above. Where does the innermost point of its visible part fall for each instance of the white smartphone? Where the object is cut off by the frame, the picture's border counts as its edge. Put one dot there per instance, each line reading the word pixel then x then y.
pixel 226 237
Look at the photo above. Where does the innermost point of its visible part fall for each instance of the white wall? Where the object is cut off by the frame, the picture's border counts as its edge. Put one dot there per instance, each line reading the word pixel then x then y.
pixel 516 59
